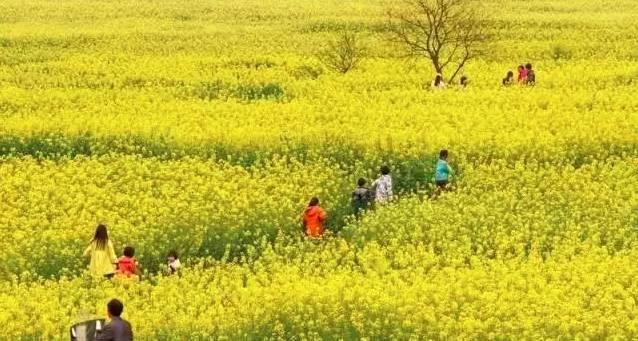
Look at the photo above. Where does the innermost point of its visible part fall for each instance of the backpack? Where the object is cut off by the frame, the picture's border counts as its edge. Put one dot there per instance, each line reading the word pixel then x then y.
pixel 360 199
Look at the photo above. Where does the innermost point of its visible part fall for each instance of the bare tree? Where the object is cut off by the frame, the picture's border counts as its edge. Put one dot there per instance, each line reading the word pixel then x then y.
pixel 343 54
pixel 447 32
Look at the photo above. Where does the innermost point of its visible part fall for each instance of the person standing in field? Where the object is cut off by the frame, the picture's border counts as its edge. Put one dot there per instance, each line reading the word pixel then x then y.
pixel 531 75
pixel 383 186
pixel 438 82
pixel 100 249
pixel 118 329
pixel 442 172
pixel 314 218
pixel 509 79
pixel 522 75
pixel 360 198
pixel 463 82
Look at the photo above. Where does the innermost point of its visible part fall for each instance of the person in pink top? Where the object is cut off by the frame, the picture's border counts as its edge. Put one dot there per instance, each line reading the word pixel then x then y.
pixel 522 74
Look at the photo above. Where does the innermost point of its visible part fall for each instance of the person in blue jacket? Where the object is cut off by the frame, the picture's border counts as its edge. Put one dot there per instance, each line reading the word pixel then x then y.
pixel 443 171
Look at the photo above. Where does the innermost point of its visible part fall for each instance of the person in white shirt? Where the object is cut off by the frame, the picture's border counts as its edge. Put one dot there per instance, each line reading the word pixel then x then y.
pixel 383 186
pixel 173 261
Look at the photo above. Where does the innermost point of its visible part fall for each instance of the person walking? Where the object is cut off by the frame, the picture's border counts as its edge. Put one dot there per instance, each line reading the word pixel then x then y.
pixel 442 172
pixel 383 186
pixel 313 219
pixel 100 249
pixel 360 198
pixel 118 329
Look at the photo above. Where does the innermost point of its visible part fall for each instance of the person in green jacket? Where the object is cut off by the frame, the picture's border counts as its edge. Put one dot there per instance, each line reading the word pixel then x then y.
pixel 100 249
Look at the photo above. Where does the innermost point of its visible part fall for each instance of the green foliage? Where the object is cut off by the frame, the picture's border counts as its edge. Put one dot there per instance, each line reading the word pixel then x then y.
pixel 252 92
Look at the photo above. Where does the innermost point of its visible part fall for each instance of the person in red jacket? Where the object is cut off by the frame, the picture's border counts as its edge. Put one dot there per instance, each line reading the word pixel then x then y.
pixel 313 219
pixel 127 264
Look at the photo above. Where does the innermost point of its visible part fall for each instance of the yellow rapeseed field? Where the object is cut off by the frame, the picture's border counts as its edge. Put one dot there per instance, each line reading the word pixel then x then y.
pixel 206 126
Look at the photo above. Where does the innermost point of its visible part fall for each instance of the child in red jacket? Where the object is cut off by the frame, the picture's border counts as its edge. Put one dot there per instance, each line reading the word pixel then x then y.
pixel 127 264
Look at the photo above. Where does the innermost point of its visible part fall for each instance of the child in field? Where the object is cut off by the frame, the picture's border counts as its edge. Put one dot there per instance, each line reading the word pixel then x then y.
pixel 172 261
pixel 531 75
pixel 463 83
pixel 313 219
pixel 383 186
pixel 522 75
pixel 443 171
pixel 438 82
pixel 360 198
pixel 127 265
pixel 509 79
pixel 100 249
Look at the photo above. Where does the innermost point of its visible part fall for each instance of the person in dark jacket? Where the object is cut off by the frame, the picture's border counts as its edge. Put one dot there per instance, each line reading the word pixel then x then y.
pixel 463 82
pixel 118 329
pixel 438 82
pixel 531 75
pixel 361 198
pixel 509 79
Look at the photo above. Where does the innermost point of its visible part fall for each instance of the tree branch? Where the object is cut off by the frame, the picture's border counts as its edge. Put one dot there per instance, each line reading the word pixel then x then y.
pixel 439 30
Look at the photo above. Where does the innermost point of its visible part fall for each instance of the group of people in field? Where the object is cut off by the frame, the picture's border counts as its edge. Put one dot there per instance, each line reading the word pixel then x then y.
pixel 104 261
pixel 363 198
pixel 438 83
pixel 526 76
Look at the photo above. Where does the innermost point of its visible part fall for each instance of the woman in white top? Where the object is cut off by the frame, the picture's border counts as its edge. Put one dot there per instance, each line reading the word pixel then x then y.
pixel 383 186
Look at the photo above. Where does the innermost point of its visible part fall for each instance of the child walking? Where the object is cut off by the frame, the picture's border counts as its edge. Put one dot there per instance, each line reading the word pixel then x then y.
pixel 443 171
pixel 313 219
pixel 360 198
